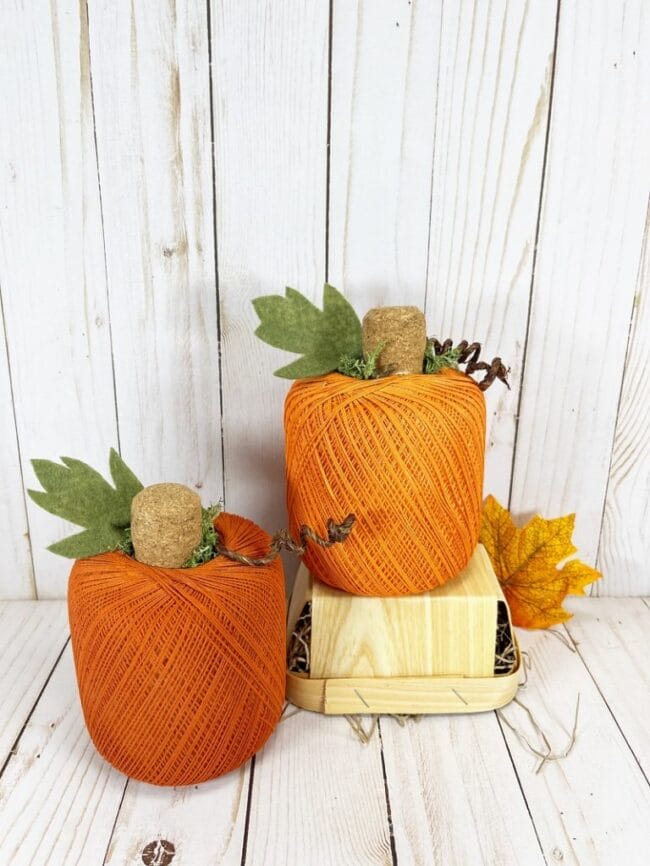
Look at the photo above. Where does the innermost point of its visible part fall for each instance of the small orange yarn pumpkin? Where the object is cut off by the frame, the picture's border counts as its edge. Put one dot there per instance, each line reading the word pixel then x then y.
pixel 405 454
pixel 180 671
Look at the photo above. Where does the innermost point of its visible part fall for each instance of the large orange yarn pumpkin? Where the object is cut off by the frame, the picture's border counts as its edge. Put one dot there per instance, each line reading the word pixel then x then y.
pixel 181 671
pixel 406 455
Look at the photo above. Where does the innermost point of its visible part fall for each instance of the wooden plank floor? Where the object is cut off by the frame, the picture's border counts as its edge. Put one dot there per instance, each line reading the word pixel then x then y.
pixel 443 790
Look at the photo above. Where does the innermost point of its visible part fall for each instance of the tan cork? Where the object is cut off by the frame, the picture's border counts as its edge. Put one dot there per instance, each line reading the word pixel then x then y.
pixel 403 332
pixel 165 524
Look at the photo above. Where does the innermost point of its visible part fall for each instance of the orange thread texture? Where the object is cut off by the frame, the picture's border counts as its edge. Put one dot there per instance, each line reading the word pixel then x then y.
pixel 406 455
pixel 180 671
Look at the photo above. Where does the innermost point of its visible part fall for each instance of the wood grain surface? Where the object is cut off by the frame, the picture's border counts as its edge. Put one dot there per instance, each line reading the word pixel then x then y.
pixel 162 164
pixel 591 230
pixel 429 790
pixel 625 536
pixel 448 631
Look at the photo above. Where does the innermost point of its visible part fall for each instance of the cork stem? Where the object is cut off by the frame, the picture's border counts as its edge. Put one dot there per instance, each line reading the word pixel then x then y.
pixel 165 524
pixel 402 333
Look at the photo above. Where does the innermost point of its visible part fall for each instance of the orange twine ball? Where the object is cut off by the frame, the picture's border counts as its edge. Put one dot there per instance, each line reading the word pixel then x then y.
pixel 406 455
pixel 181 672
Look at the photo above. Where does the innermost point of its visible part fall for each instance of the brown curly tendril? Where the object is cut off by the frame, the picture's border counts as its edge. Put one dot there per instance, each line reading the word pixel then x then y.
pixel 337 533
pixel 468 354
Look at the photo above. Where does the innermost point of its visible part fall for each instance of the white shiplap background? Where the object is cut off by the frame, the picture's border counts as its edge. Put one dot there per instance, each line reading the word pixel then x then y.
pixel 163 163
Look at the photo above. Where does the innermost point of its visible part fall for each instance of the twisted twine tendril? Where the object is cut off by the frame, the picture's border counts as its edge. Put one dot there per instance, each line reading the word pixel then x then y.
pixel 337 533
pixel 468 354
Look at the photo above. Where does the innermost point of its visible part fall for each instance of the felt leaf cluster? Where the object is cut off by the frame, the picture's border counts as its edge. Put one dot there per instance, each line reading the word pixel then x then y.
pixel 76 492
pixel 526 563
pixel 322 337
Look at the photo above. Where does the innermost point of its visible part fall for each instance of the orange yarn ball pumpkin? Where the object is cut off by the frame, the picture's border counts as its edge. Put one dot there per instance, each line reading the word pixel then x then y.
pixel 406 455
pixel 181 672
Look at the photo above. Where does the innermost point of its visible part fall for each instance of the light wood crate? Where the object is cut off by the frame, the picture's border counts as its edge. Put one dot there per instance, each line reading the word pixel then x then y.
pixel 427 653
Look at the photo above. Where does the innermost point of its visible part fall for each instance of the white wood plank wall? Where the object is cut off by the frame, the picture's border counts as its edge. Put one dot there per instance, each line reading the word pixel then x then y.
pixel 161 164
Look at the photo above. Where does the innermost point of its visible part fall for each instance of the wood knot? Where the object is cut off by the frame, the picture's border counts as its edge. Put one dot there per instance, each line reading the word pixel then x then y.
pixel 160 852
pixel 177 249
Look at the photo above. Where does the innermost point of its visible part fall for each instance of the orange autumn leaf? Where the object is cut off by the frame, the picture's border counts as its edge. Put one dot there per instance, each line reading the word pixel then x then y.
pixel 526 563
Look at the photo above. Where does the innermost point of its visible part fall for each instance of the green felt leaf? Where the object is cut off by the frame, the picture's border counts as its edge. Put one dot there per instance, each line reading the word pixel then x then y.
pixel 78 493
pixel 73 491
pixel 126 485
pixel 322 336
pixel 287 323
pixel 90 542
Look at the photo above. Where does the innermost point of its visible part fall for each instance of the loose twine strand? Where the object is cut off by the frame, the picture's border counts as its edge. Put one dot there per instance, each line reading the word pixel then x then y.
pixel 548 754
pixel 299 660
pixel 337 533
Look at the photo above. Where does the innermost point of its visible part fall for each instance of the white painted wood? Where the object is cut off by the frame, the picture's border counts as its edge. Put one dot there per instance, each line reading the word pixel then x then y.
pixel 438 121
pixel 613 639
pixel 17 575
pixel 151 95
pixel 383 100
pixel 624 549
pixel 493 90
pixel 454 794
pixel 51 256
pixel 205 823
pixel 318 797
pixel 593 807
pixel 31 639
pixel 591 230
pixel 59 798
pixel 269 73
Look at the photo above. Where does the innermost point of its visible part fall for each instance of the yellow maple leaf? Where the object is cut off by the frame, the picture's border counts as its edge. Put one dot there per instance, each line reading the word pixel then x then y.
pixel 526 563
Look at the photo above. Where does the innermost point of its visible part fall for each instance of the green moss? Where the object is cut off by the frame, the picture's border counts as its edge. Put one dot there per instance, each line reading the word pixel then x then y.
pixel 435 363
pixel 360 367
pixel 126 545
pixel 205 549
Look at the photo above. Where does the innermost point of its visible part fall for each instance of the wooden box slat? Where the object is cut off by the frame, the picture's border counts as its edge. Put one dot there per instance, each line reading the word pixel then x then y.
pixel 449 631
